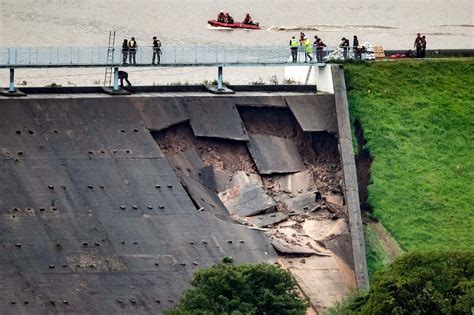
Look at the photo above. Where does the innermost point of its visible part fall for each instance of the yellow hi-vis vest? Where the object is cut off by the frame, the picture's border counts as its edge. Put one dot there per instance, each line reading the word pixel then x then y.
pixel 293 43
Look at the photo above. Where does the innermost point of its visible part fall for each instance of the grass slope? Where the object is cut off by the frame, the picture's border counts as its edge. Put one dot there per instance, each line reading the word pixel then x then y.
pixel 418 120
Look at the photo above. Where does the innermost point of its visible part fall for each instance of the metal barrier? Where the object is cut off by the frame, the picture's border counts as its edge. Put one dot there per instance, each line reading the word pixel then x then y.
pixel 170 55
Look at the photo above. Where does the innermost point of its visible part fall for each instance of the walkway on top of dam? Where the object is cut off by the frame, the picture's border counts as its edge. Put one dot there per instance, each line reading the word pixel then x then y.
pixel 171 56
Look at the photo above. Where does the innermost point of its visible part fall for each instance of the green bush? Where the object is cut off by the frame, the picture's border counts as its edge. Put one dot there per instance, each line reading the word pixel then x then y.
pixel 419 283
pixel 241 289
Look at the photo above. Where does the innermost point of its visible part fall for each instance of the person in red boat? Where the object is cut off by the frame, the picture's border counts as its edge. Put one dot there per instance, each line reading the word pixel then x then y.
pixel 248 20
pixel 229 19
pixel 221 17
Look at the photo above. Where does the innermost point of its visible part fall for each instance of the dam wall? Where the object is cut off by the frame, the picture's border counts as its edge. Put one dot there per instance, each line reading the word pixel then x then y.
pixel 109 204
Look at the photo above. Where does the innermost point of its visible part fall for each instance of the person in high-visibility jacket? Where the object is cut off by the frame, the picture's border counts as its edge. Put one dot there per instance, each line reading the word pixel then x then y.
pixel 308 50
pixel 294 48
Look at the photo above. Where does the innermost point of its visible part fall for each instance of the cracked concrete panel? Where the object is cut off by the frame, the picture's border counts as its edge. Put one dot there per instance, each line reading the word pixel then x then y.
pixel 159 113
pixel 314 113
pixel 265 220
pixel 291 241
pixel 322 230
pixel 215 179
pixel 248 200
pixel 186 162
pixel 205 199
pixel 297 182
pixel 274 154
pixel 215 118
pixel 298 203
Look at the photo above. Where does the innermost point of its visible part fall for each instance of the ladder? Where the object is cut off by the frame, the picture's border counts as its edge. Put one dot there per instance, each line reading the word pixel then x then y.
pixel 110 59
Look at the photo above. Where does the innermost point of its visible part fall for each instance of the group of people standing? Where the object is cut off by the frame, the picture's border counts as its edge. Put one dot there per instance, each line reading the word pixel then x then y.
pixel 356 48
pixel 130 47
pixel 312 50
pixel 420 45
pixel 315 50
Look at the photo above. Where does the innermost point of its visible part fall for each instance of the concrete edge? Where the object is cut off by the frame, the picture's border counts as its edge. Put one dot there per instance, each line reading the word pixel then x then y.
pixel 171 89
pixel 350 178
pixel 16 93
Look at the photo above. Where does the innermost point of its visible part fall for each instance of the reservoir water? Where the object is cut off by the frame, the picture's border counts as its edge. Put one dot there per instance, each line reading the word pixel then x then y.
pixel 392 24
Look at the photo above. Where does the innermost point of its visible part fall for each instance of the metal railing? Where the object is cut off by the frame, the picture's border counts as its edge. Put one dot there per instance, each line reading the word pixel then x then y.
pixel 170 55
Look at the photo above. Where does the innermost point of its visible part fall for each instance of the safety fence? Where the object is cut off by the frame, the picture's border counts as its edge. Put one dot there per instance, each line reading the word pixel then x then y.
pixel 169 55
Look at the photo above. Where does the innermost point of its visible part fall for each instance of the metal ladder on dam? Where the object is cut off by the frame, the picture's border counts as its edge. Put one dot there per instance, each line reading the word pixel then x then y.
pixel 110 59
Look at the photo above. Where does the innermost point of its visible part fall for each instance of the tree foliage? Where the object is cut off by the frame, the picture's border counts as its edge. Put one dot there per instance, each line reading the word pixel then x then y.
pixel 241 289
pixel 419 283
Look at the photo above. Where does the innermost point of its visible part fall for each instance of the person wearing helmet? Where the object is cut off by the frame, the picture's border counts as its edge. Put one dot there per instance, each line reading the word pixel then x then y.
pixel 221 17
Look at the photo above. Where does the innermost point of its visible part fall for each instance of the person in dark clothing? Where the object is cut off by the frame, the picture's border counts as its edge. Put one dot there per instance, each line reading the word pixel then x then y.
pixel 122 75
pixel 302 37
pixel 315 46
pixel 156 50
pixel 132 46
pixel 294 49
pixel 345 46
pixel 221 17
pixel 248 20
pixel 418 45
pixel 320 50
pixel 229 19
pixel 355 47
pixel 124 51
pixel 423 46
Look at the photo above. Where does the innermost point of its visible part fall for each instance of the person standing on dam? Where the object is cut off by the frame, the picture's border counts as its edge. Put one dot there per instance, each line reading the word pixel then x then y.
pixel 124 51
pixel 308 50
pixel 355 47
pixel 418 45
pixel 320 50
pixel 423 46
pixel 156 50
pixel 132 46
pixel 294 49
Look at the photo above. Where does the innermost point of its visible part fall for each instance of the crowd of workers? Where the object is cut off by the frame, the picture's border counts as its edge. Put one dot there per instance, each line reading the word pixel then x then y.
pixel 315 50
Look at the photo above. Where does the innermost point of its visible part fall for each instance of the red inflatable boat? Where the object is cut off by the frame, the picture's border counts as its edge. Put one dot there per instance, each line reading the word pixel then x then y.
pixel 234 25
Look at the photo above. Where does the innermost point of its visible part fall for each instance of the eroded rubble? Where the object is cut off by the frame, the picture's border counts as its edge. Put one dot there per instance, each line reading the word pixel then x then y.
pixel 299 205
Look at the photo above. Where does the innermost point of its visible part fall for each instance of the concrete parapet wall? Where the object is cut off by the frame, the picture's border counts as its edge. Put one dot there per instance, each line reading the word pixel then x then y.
pixel 350 176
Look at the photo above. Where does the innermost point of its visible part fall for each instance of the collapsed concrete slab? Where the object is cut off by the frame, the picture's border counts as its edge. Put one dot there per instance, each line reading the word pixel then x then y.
pixel 215 179
pixel 160 112
pixel 289 242
pixel 274 154
pixel 215 118
pixel 298 203
pixel 297 182
pixel 267 219
pixel 314 113
pixel 247 200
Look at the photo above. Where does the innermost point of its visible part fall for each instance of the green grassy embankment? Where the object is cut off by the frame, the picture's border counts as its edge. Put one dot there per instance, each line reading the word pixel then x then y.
pixel 418 121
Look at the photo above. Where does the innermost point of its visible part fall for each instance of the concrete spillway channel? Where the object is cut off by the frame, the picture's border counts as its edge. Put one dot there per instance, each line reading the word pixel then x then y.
pixel 109 204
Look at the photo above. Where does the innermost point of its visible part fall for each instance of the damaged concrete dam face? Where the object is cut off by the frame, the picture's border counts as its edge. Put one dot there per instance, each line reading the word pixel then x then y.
pixel 109 204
